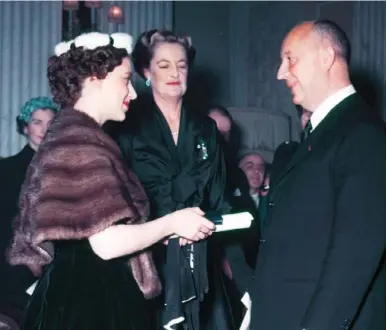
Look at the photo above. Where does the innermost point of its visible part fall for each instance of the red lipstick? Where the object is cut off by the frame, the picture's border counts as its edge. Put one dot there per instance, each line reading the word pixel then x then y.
pixel 126 103
pixel 173 83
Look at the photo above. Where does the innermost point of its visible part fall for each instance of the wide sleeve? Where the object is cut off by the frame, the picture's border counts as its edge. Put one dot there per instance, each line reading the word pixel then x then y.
pixel 358 234
pixel 154 174
pixel 216 186
pixel 72 191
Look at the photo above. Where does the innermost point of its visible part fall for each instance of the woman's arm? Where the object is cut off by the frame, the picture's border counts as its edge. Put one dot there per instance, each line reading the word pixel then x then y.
pixel 120 240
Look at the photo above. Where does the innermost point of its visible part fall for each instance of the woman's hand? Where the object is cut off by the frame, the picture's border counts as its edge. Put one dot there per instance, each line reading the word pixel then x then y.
pixel 35 269
pixel 190 225
pixel 182 241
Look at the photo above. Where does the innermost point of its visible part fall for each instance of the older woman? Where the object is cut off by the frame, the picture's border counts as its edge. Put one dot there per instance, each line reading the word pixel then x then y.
pixel 82 205
pixel 175 151
pixel 32 122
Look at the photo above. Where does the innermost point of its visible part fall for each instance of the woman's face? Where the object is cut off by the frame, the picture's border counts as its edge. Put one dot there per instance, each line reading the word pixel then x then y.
pixel 116 91
pixel 168 71
pixel 37 127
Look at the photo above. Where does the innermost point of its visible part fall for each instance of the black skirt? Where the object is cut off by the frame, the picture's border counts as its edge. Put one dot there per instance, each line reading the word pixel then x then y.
pixel 80 291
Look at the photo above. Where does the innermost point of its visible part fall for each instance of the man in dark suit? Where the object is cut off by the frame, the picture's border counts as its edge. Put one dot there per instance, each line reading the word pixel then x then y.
pixel 242 247
pixel 321 260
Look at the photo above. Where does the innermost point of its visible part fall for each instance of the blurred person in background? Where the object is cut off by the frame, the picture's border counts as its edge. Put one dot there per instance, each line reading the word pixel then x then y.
pixel 32 122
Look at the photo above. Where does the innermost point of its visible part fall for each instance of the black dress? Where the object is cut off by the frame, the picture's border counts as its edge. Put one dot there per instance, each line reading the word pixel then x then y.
pixel 80 291
pixel 14 280
pixel 187 174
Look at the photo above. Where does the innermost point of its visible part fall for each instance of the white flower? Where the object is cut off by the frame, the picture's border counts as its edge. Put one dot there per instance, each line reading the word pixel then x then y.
pixel 62 48
pixel 122 40
pixel 92 40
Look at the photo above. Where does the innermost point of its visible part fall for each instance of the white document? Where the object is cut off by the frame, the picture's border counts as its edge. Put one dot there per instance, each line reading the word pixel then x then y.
pixel 235 221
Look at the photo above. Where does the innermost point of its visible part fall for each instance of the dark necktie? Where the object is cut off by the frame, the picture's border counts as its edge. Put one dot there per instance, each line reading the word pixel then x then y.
pixel 307 130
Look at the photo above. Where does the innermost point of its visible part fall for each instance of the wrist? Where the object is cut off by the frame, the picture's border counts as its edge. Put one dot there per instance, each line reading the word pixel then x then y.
pixel 168 224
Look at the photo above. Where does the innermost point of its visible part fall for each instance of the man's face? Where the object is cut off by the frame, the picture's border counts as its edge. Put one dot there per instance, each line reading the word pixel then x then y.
pixel 301 68
pixel 253 166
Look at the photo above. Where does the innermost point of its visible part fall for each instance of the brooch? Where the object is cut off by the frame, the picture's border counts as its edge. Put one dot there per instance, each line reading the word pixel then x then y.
pixel 201 146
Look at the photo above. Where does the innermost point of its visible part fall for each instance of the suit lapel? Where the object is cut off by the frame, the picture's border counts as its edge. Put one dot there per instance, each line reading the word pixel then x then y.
pixel 326 130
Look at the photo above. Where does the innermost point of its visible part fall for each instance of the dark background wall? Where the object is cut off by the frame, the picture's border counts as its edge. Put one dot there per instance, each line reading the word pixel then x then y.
pixel 207 22
pixel 238 46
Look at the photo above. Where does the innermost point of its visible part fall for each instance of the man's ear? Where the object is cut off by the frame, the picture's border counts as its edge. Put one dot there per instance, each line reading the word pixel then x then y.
pixel 328 55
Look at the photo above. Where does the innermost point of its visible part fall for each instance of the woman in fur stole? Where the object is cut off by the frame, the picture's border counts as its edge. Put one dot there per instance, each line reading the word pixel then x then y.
pixel 82 212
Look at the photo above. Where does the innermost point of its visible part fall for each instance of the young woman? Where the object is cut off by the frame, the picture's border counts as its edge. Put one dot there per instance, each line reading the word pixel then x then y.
pixel 82 212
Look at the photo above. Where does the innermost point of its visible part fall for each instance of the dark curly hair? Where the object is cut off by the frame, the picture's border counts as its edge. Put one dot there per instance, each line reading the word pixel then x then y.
pixel 147 42
pixel 67 72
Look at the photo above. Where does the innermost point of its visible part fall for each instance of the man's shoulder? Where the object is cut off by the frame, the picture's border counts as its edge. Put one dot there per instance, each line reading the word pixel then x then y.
pixel 357 117
pixel 363 118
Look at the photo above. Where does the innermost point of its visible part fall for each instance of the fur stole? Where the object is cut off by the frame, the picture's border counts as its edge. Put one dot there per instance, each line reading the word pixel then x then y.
pixel 77 185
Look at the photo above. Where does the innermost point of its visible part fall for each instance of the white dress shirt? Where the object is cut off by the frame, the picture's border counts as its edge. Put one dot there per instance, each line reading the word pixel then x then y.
pixel 324 108
pixel 255 198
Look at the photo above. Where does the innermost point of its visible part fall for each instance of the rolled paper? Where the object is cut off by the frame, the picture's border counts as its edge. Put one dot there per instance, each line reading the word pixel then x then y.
pixel 228 222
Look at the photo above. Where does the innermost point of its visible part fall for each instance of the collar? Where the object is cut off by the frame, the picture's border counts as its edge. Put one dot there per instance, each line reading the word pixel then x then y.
pixel 324 108
pixel 255 196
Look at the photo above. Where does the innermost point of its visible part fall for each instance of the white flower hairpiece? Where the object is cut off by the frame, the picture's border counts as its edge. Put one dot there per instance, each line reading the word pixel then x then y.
pixel 93 40
pixel 63 47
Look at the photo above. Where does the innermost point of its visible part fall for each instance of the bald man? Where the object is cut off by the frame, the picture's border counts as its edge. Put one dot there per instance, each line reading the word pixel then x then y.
pixel 321 260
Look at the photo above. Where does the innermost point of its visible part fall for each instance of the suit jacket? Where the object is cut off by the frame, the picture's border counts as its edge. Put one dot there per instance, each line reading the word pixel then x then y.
pixel 282 156
pixel 321 260
pixel 241 246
